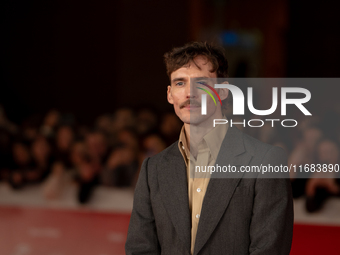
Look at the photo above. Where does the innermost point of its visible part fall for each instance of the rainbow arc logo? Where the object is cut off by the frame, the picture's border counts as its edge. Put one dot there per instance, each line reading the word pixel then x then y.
pixel 204 98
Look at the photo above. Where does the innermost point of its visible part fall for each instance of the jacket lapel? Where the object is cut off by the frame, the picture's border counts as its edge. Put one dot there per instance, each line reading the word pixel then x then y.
pixel 220 190
pixel 173 185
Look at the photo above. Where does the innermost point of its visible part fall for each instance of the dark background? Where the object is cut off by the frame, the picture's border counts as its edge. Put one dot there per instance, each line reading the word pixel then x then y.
pixel 92 58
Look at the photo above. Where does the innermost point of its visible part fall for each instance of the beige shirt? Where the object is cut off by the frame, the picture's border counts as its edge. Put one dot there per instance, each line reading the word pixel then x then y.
pixel 208 150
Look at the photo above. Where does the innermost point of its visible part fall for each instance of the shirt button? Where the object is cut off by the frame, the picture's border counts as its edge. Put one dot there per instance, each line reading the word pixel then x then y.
pixel 198 190
pixel 197 216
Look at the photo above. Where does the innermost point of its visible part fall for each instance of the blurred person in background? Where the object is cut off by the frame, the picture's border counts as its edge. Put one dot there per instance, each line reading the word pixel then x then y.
pixel 267 133
pixel 60 154
pixel 78 153
pixel 29 129
pixel 5 153
pixel 146 121
pixel 54 184
pixel 122 163
pixel 128 138
pixel 56 181
pixel 170 127
pixel 21 164
pixel 120 168
pixel 320 186
pixel 90 164
pixel 41 160
pixel 97 148
pixel 104 123
pixel 87 180
pixel 123 118
pixel 152 145
pixel 304 152
pixel 50 123
pixel 63 142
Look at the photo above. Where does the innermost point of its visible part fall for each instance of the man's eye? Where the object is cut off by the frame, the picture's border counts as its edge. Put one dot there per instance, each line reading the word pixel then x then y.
pixel 180 83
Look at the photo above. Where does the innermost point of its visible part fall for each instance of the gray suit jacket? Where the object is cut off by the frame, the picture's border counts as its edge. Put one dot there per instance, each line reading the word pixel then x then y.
pixel 239 215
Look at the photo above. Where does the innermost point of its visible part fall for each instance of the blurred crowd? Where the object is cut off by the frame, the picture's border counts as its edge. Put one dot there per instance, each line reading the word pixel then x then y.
pixel 49 149
pixel 314 143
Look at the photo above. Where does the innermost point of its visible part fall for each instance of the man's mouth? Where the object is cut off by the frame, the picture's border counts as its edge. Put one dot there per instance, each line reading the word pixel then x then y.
pixel 190 105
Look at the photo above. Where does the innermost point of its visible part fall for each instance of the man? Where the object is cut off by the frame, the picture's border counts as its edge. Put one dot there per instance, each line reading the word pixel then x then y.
pixel 176 212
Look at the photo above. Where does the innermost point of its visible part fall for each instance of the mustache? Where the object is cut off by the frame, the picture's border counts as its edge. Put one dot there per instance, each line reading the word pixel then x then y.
pixel 190 102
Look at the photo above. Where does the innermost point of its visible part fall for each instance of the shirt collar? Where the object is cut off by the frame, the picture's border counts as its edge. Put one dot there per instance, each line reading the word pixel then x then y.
pixel 212 140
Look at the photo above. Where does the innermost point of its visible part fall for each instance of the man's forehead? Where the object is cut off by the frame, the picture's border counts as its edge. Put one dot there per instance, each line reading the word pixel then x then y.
pixel 200 67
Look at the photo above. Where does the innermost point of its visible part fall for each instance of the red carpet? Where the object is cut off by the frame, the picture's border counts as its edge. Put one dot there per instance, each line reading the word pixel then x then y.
pixel 316 240
pixel 36 231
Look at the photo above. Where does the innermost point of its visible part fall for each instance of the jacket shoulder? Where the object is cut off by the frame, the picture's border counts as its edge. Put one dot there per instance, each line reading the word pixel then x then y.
pixel 171 150
pixel 256 147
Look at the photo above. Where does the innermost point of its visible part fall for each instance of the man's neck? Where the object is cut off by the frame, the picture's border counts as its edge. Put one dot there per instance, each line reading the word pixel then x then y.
pixel 196 132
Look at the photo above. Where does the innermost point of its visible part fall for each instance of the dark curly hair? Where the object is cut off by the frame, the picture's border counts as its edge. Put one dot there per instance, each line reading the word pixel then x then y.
pixel 180 56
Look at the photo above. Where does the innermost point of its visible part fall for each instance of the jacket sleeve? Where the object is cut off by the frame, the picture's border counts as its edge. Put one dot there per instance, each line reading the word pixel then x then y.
pixel 142 235
pixel 271 228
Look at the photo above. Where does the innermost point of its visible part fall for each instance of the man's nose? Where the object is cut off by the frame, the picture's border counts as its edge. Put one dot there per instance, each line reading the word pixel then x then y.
pixel 191 90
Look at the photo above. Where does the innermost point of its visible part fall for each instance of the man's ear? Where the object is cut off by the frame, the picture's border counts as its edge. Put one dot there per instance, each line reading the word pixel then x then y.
pixel 169 95
pixel 224 92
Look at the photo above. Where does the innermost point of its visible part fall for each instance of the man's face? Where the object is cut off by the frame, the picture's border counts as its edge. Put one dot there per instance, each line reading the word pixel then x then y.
pixel 184 95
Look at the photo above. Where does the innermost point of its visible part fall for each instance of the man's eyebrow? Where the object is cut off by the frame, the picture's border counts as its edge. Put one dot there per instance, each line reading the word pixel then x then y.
pixel 178 79
pixel 203 77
